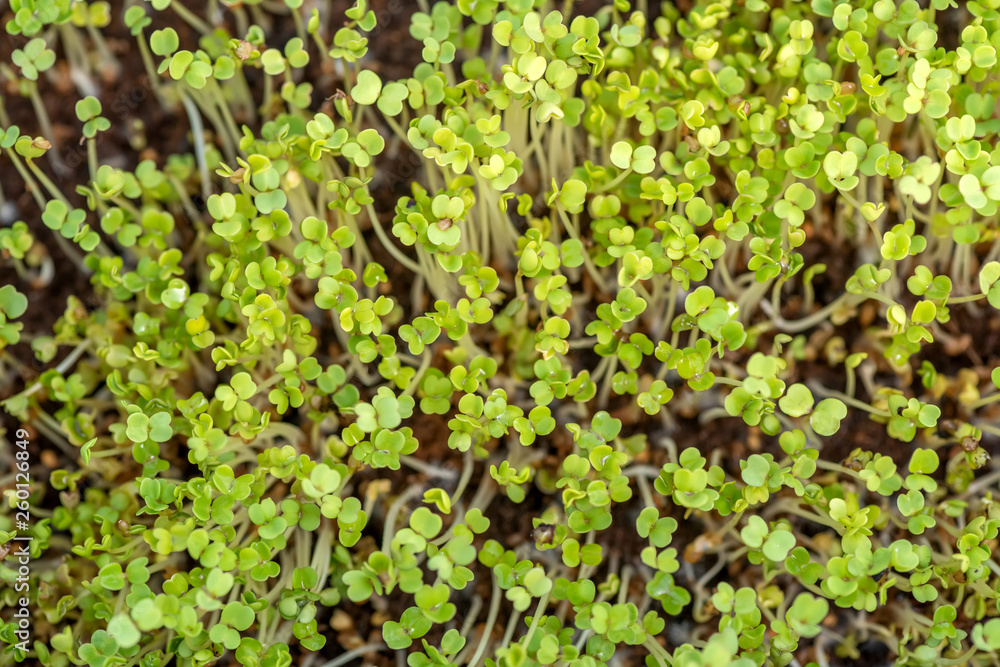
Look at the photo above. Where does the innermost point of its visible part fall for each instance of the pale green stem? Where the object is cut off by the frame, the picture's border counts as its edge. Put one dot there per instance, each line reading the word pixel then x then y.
pixel 960 660
pixel 614 182
pixel 797 326
pixel 92 157
pixel 430 470
pixel 543 602
pixel 300 27
pixel 43 120
pixel 191 18
pixel 588 262
pixel 394 510
pixel 966 299
pixel 463 482
pixel 147 61
pixel 849 400
pixel 53 430
pixel 606 387
pixel 102 48
pixel 658 652
pixel 227 115
pixel 198 132
pixel 644 488
pixel 850 386
pixel 388 244
pixel 425 362
pixel 30 184
pixel 511 628
pixel 834 467
pixel 727 278
pixel 491 620
pixel 788 506
pixel 47 183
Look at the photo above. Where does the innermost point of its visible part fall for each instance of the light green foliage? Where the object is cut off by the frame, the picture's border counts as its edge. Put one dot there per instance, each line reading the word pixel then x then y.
pixel 34 58
pixel 13 305
pixel 637 276
pixel 88 110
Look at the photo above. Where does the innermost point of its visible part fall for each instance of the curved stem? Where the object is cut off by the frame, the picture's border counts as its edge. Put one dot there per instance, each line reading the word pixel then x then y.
pixel 797 326
pixel 511 628
pixel 198 130
pixel 62 368
pixel 389 245
pixel 345 658
pixel 658 652
pixel 46 126
pixel 543 602
pixel 463 481
pixel 853 402
pixel 612 183
pixel 47 182
pixel 394 509
pixel 426 468
pixel 834 467
pixel 644 490
pixel 191 18
pixel 965 299
pixel 30 184
pixel 425 362
pixel 587 260
pixel 491 620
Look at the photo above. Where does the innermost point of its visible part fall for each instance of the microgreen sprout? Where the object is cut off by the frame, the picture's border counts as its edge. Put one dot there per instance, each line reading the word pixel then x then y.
pixel 506 354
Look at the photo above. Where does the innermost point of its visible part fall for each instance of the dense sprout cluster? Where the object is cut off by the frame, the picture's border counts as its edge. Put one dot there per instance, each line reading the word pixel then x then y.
pixel 640 275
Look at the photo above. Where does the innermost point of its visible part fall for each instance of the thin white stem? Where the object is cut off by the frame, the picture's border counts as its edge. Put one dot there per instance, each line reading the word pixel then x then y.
pixel 345 658
pixel 491 620
pixel 394 509
pixel 198 130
